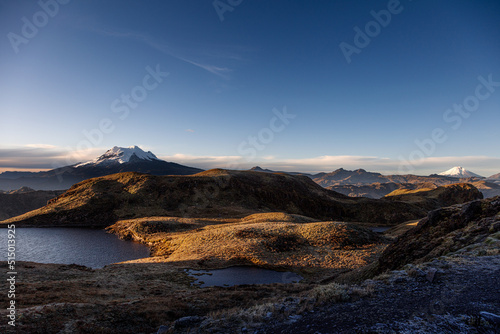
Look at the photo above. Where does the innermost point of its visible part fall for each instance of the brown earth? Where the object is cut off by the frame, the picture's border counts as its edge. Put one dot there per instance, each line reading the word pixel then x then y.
pixel 100 202
pixel 431 199
pixel 443 231
pixel 271 240
pixel 220 218
pixel 15 203
pixel 120 298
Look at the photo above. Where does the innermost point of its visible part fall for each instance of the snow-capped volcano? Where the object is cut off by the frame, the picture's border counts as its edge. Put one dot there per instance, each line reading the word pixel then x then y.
pixel 459 172
pixel 121 155
pixel 115 160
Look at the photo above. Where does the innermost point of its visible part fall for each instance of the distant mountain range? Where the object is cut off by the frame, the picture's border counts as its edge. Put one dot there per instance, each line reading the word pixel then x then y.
pixel 361 177
pixel 495 177
pixel 356 183
pixel 115 160
pixel 102 201
pixel 361 183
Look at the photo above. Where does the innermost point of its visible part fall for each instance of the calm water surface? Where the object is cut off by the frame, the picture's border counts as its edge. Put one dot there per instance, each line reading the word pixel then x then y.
pixel 241 275
pixel 379 229
pixel 87 247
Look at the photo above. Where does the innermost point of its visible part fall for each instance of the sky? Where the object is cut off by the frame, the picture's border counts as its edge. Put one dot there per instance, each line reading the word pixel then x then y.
pixel 388 86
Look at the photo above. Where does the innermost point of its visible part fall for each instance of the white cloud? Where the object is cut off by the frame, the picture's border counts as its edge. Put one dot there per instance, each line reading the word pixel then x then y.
pixel 42 157
pixel 482 165
pixel 47 146
pixel 207 161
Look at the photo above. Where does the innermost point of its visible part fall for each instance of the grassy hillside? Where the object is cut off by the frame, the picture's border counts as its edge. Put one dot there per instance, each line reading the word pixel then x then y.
pixel 18 202
pixel 272 240
pixel 100 202
pixel 431 199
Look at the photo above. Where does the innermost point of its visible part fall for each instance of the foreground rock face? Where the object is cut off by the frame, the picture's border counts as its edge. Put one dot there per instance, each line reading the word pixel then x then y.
pixel 102 201
pixel 404 301
pixel 443 231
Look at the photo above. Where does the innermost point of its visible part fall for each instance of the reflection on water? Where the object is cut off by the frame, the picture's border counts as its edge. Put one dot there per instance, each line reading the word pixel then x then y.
pixel 88 247
pixel 241 275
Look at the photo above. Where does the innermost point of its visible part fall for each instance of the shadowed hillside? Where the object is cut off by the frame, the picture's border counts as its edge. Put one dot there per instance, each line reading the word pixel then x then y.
pixel 443 231
pixel 102 201
pixel 431 199
pixel 17 202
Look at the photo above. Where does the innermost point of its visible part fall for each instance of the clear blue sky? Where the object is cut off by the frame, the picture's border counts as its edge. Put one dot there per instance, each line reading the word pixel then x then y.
pixel 225 78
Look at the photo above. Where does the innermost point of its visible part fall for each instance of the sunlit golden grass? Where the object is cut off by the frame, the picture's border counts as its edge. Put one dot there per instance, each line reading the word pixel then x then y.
pixel 407 191
pixel 297 242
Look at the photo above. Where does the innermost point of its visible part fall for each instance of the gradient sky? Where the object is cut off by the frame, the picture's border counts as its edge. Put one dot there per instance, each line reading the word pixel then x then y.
pixel 225 78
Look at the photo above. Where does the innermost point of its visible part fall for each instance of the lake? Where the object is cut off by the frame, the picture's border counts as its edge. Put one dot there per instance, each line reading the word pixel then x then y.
pixel 239 275
pixel 87 247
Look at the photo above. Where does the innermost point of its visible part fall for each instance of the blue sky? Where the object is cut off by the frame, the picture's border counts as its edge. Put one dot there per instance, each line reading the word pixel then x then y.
pixel 229 79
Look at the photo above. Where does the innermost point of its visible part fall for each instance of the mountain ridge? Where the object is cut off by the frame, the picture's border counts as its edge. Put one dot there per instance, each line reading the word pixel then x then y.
pixel 101 201
pixel 115 160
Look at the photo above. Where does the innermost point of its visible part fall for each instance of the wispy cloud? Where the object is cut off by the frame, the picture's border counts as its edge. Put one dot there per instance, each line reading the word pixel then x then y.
pixel 480 164
pixel 168 50
pixel 46 146
pixel 41 156
pixel 207 161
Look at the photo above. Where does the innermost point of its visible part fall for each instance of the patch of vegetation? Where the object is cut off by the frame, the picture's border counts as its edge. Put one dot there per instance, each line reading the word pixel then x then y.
pixel 273 242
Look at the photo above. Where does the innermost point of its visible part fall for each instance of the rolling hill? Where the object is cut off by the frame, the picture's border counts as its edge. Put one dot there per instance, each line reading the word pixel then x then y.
pixel 101 201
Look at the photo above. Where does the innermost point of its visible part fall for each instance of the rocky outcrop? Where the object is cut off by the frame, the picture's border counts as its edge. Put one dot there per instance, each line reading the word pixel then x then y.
pixel 431 199
pixel 443 231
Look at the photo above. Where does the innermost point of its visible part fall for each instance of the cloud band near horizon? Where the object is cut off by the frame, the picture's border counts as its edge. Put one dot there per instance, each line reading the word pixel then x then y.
pixel 45 157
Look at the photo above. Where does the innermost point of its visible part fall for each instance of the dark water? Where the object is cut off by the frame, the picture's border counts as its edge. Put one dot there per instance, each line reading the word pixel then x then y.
pixel 379 229
pixel 241 275
pixel 88 247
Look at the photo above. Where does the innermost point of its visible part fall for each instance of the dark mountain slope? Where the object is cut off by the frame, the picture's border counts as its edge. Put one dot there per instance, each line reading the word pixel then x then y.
pixel 215 193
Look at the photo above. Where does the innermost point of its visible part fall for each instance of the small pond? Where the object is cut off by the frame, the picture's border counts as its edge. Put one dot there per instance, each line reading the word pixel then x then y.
pixel 67 245
pixel 379 229
pixel 239 275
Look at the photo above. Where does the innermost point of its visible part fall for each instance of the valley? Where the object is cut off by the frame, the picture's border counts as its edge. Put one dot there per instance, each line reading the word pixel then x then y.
pixel 222 219
pixel 290 224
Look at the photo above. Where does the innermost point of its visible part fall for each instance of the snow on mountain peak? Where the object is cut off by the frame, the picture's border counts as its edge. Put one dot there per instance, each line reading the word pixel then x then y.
pixel 459 172
pixel 121 155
